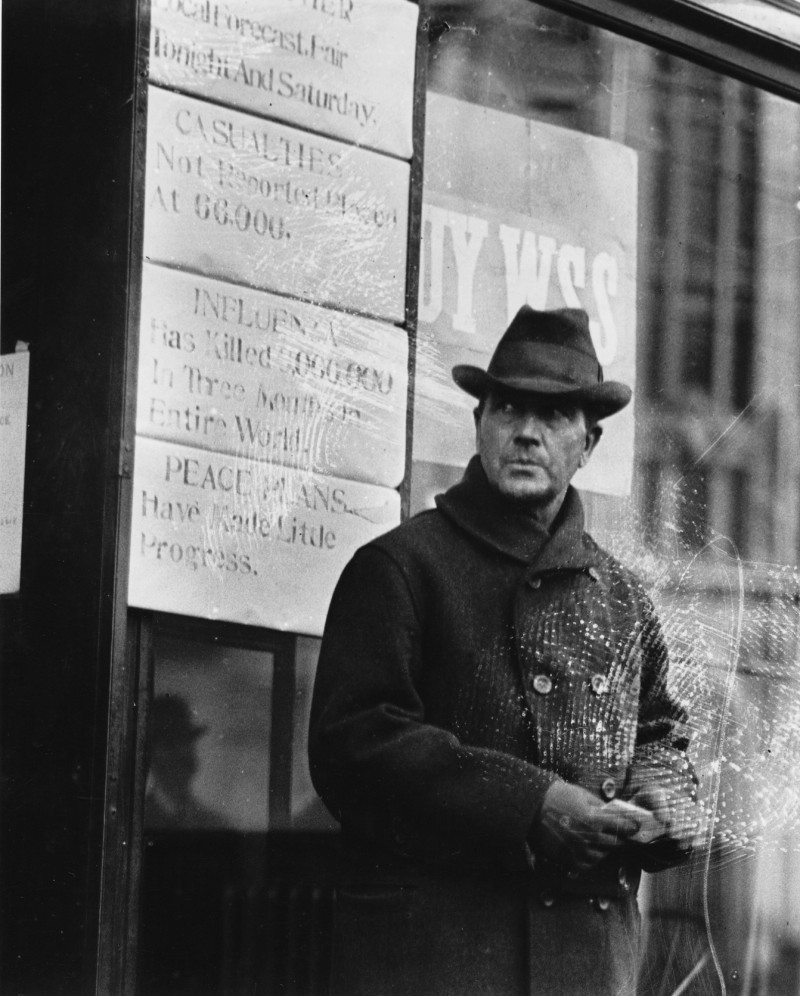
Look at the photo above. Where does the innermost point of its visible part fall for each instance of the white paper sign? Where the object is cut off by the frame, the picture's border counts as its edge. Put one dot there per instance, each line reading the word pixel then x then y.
pixel 251 374
pixel 14 369
pixel 242 540
pixel 257 202
pixel 341 67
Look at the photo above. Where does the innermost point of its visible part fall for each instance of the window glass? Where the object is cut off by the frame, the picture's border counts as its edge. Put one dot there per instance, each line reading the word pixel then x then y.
pixel 563 166
pixel 565 142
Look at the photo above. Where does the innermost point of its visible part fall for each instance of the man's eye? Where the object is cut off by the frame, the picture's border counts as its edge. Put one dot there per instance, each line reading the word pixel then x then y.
pixel 509 409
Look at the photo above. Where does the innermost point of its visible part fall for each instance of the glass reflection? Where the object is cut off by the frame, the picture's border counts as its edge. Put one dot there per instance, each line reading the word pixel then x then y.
pixel 713 520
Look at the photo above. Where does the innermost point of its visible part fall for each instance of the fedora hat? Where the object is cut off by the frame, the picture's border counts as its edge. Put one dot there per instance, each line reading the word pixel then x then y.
pixel 549 353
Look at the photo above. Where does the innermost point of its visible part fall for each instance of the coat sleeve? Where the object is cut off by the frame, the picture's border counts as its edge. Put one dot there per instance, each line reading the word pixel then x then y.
pixel 661 755
pixel 382 770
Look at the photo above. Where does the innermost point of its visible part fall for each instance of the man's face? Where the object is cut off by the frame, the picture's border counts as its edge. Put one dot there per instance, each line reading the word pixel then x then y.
pixel 530 447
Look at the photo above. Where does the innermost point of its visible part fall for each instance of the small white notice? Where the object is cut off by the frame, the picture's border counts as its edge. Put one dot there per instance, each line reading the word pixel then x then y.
pixel 243 540
pixel 14 371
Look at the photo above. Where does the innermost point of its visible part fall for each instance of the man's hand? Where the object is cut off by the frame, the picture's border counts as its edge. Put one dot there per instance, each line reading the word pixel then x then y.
pixel 658 821
pixel 577 829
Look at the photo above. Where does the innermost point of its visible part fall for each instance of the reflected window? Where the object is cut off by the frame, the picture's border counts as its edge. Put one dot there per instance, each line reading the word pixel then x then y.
pixel 210 726
pixel 236 891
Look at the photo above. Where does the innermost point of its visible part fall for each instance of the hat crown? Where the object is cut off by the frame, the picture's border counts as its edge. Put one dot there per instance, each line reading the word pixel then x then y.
pixel 555 344
pixel 564 326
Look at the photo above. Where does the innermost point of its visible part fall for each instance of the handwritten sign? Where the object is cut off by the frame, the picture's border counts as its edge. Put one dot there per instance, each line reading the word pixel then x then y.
pixel 14 370
pixel 560 231
pixel 341 67
pixel 256 202
pixel 243 540
pixel 252 374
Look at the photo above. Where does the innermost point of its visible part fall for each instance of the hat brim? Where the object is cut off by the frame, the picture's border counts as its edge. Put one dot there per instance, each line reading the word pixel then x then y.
pixel 604 399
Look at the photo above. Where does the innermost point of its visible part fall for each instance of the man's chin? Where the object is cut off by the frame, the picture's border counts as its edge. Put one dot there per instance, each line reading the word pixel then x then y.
pixel 526 492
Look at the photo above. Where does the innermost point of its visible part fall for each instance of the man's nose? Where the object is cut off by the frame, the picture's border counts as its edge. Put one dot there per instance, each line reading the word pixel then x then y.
pixel 529 428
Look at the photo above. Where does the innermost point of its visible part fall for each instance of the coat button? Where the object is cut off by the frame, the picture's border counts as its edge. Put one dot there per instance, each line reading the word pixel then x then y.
pixel 608 789
pixel 548 899
pixel 603 902
pixel 543 684
pixel 599 684
pixel 534 583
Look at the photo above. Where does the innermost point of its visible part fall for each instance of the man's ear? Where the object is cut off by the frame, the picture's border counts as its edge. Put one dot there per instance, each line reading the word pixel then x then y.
pixel 592 439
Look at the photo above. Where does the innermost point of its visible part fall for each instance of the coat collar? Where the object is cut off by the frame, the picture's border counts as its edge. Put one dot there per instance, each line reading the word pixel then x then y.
pixel 476 507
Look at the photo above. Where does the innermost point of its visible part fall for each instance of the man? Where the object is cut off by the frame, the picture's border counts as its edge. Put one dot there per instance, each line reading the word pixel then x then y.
pixel 491 721
pixel 170 801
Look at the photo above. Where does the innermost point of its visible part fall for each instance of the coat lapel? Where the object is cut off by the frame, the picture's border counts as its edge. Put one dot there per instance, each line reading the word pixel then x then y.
pixel 569 547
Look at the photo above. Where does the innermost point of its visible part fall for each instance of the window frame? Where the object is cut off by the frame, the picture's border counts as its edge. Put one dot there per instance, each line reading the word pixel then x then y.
pixel 707 38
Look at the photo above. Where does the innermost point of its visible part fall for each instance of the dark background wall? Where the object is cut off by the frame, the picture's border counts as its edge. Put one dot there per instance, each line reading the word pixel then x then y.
pixel 69 71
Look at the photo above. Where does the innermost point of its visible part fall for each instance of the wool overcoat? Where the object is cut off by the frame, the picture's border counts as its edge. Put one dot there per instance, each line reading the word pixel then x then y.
pixel 469 659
